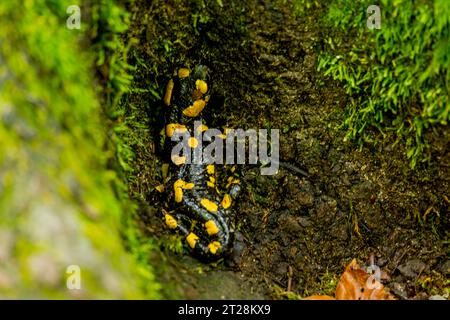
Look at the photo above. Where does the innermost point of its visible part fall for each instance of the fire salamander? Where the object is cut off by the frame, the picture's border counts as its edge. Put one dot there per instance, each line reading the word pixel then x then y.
pixel 199 196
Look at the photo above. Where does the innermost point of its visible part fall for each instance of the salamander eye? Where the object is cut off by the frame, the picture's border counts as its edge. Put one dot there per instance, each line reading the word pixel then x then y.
pixel 192 239
pixel 170 221
pixel 195 109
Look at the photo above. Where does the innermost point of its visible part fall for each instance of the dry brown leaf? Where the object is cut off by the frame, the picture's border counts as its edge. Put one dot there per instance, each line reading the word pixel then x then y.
pixel 357 284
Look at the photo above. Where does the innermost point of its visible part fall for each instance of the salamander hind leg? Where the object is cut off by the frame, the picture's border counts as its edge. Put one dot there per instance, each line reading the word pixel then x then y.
pixel 209 238
pixel 178 223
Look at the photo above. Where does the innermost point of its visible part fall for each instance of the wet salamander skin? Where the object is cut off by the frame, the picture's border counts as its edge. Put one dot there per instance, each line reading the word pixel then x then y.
pixel 199 195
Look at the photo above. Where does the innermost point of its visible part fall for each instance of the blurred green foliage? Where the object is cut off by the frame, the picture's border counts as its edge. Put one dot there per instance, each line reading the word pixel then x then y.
pixel 126 129
pixel 60 202
pixel 397 76
pixel 111 22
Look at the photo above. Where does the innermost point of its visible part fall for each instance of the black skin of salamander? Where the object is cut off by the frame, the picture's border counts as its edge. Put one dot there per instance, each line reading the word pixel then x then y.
pixel 190 208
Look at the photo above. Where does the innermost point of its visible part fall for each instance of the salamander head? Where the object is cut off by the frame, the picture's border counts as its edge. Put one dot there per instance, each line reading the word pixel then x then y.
pixel 189 91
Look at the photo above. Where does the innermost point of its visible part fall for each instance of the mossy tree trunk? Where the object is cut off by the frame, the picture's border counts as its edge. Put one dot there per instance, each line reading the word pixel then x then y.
pixel 57 203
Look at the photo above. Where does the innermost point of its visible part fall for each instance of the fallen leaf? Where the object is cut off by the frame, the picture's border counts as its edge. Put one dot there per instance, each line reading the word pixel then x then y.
pixel 357 284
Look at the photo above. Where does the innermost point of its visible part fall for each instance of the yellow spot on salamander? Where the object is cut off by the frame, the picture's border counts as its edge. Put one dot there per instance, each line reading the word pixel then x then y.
pixel 191 240
pixel 160 188
pixel 168 95
pixel 195 109
pixel 192 142
pixel 210 169
pixel 177 160
pixel 188 185
pixel 202 128
pixel 209 205
pixel 201 85
pixel 171 127
pixel 178 187
pixel 211 228
pixel 183 73
pixel 178 190
pixel 214 246
pixel 226 202
pixel 170 221
pixel 212 179
pixel 210 184
pixel 178 194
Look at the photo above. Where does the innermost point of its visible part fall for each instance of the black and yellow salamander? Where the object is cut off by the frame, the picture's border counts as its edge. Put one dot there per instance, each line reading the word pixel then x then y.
pixel 199 195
